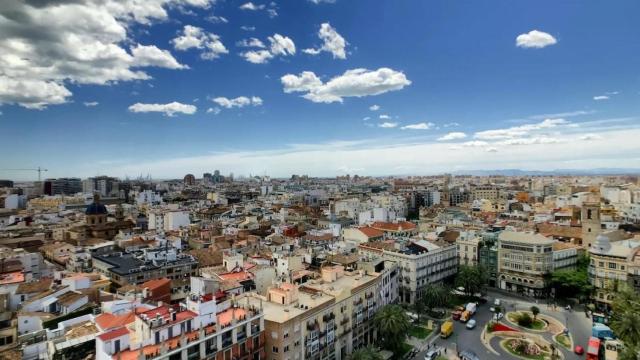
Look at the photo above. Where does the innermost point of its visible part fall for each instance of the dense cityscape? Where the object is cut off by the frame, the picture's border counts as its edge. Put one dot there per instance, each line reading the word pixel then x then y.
pixel 351 267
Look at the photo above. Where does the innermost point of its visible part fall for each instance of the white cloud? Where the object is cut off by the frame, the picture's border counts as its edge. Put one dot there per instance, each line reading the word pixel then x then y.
pixel 491 149
pixel 374 107
pixel 272 13
pixel 519 131
pixel 152 56
pixel 388 125
pixel 451 124
pixel 530 141
pixel 169 109
pixel 279 45
pixel 456 135
pixel 193 37
pixel 535 39
pixel 561 114
pixel 475 143
pixel 90 103
pixel 247 28
pixel 323 1
pixel 418 126
pixel 45 46
pixel 366 118
pixel 251 42
pixel 217 19
pixel 601 97
pixel 384 117
pixel 332 42
pixel 589 137
pixel 251 6
pixel 353 83
pixel 213 110
pixel 239 102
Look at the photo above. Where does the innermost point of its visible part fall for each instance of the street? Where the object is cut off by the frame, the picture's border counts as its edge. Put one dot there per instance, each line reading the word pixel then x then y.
pixel 464 339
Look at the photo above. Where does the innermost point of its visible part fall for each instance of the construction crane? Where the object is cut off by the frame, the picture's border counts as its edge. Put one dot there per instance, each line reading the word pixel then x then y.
pixel 39 170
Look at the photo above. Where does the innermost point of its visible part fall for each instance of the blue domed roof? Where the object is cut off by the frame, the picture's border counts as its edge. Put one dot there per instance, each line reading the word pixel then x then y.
pixel 96 209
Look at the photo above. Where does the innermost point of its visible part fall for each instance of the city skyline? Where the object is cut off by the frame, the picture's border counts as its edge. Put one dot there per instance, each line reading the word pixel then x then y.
pixel 189 86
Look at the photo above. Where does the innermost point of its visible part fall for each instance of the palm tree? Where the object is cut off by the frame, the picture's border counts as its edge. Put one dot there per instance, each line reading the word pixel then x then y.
pixel 367 353
pixel 627 327
pixel 393 325
pixel 535 311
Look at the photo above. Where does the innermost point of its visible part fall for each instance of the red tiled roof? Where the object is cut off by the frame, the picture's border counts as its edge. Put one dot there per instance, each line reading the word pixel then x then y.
pixel 113 334
pixel 155 283
pixel 388 226
pixel 371 232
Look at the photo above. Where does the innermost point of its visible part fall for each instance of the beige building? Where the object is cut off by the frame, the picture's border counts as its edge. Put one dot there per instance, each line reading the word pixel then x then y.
pixel 325 318
pixel 590 220
pixel 610 266
pixel 468 248
pixel 523 261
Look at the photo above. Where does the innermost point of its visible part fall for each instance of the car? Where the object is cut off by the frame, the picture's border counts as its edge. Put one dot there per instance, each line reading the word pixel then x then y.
pixel 471 324
pixel 468 355
pixel 498 316
pixel 496 302
pixel 578 350
pixel 432 354
pixel 492 309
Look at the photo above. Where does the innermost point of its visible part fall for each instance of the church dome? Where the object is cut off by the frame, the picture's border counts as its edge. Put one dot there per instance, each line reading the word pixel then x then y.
pixel 602 243
pixel 96 208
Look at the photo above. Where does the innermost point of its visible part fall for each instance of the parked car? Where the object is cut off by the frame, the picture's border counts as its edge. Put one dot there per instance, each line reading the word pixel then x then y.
pixel 578 350
pixel 471 324
pixel 432 355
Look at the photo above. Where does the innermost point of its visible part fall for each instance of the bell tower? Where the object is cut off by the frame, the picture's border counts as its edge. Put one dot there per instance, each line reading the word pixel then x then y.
pixel 590 220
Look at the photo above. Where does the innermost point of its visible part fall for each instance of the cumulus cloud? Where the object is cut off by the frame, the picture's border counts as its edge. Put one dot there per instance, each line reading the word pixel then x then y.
pixel 384 117
pixel 601 97
pixel 374 107
pixel 169 109
pixel 217 19
pixel 388 125
pixel 251 42
pixel 45 46
pixel 247 28
pixel 250 6
pixel 90 103
pixel 333 42
pixel 279 45
pixel 213 110
pixel 239 102
pixel 418 126
pixel 456 135
pixel 535 39
pixel 519 131
pixel 353 83
pixel 193 37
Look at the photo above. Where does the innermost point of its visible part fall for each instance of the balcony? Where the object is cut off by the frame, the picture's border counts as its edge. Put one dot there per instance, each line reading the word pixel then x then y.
pixel 328 317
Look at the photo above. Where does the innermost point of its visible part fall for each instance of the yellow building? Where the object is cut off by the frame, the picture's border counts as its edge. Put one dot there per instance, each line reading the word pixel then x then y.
pixel 327 318
pixel 609 267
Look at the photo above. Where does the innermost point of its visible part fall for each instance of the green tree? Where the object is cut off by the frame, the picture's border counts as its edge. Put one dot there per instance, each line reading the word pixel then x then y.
pixel 435 296
pixel 572 283
pixel 535 311
pixel 366 353
pixel 525 320
pixel 393 325
pixel 625 321
pixel 472 278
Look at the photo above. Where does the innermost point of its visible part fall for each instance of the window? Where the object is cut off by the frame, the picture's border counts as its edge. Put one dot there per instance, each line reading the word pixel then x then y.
pixel 275 349
pixel 612 265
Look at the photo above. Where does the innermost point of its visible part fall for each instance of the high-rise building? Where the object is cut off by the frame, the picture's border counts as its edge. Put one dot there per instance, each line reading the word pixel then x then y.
pixel 62 186
pixel 189 180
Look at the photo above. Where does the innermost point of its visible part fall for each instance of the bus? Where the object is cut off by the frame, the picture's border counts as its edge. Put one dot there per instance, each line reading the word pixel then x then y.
pixel 593 349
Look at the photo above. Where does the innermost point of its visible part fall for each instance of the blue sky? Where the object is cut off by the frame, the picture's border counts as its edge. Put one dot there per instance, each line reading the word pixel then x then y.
pixel 532 85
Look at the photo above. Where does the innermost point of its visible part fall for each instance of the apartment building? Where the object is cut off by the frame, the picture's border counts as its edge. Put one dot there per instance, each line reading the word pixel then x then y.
pixel 204 327
pixel 610 265
pixel 421 263
pixel 326 318
pixel 468 244
pixel 523 261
